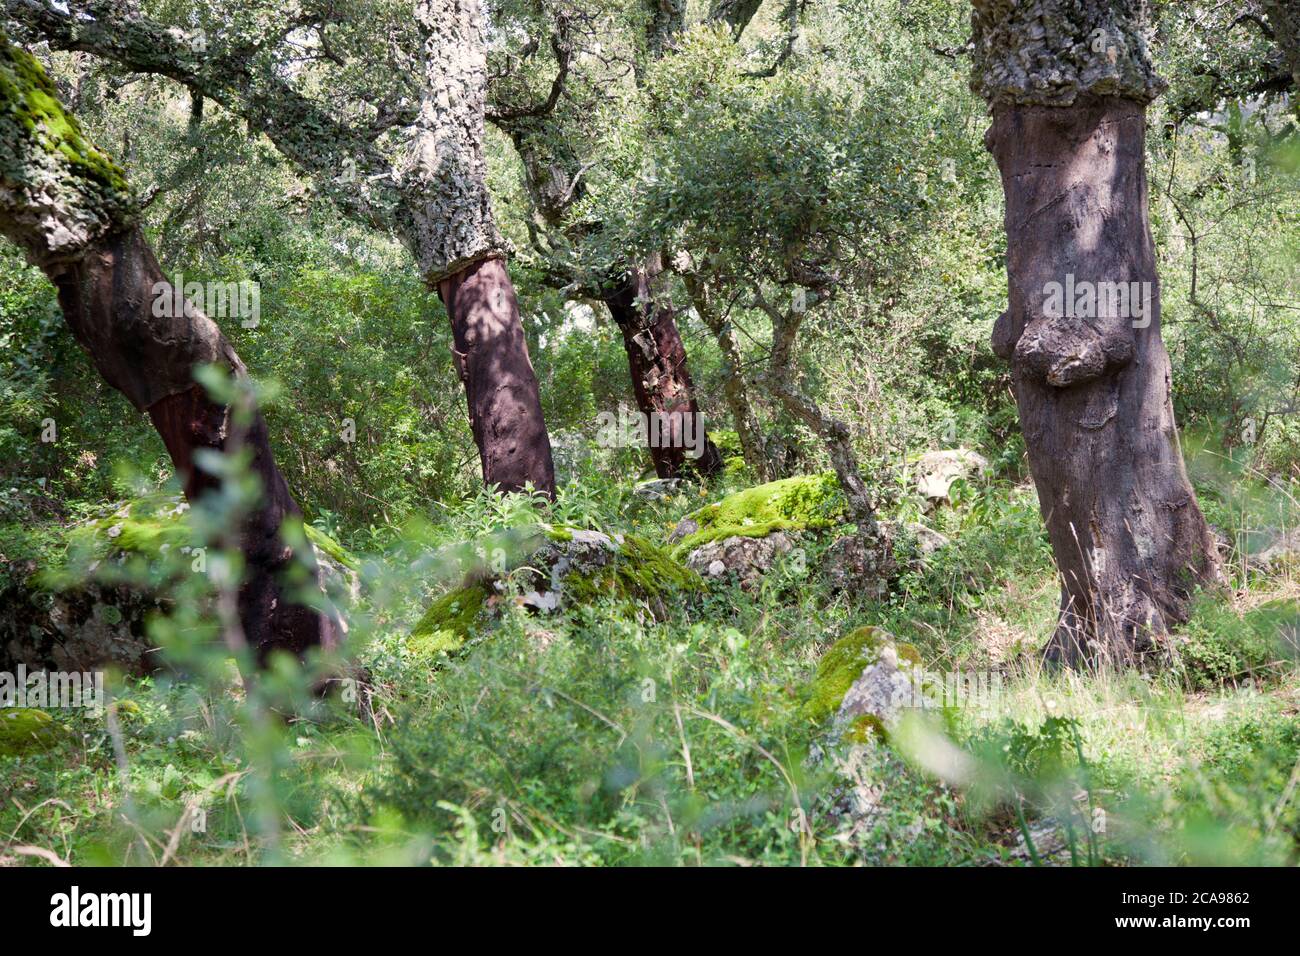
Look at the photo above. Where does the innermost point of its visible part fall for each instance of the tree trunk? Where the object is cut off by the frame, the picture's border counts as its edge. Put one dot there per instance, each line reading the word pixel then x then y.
pixel 500 385
pixel 1284 18
pixel 103 295
pixel 656 359
pixel 1091 374
pixel 734 387
pixel 448 224
pixel 70 209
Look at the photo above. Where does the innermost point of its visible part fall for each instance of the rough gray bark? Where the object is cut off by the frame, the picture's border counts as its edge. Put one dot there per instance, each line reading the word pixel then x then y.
pixel 1284 18
pixel 665 20
pixel 1093 391
pixel 736 14
pixel 1049 52
pixel 68 206
pixel 447 215
pixel 349 167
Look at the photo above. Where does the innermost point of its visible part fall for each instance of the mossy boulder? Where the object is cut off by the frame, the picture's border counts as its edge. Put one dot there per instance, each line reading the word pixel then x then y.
pixel 550 567
pixel 801 503
pixel 622 566
pixel 746 559
pixel 25 730
pixel 449 621
pixel 864 679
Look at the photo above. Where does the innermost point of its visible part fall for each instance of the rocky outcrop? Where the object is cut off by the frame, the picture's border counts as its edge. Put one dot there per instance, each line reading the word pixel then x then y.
pixel 546 570
pixel 865 681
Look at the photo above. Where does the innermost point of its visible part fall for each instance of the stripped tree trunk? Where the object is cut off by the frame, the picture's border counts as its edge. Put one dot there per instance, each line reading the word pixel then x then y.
pixel 656 359
pixel 553 177
pixel 500 385
pixel 1068 83
pixel 68 206
pixel 448 224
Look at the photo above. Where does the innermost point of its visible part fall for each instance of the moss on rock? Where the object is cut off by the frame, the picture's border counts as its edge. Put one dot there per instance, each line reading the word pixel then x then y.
pixel 844 663
pixel 449 621
pixel 804 502
pixel 26 730
pixel 638 570
pixel 567 565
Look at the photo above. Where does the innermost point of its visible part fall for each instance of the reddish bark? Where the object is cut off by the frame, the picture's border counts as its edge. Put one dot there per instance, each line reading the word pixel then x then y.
pixel 491 355
pixel 1094 391
pixel 107 298
pixel 661 380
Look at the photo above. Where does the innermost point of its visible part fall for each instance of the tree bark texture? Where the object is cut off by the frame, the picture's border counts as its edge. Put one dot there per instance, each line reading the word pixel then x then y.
pixel 434 198
pixel 500 386
pixel 1092 382
pixel 69 208
pixel 656 359
pixel 449 225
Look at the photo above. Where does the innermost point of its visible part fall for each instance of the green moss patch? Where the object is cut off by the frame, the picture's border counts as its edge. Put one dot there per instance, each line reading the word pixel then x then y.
pixel 449 621
pixel 631 568
pixel 804 502
pixel 332 548
pixel 28 95
pixel 24 730
pixel 639 571
pixel 843 664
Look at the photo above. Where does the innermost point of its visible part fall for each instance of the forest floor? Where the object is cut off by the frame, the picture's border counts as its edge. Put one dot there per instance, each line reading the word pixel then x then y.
pixel 676 729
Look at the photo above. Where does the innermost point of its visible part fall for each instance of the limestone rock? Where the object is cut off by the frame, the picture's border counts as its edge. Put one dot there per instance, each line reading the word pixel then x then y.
pixel 747 558
pixel 937 470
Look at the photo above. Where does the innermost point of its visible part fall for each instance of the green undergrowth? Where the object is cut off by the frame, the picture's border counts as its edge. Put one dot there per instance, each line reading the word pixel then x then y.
pixel 1221 645
pixel 449 621
pixel 652 719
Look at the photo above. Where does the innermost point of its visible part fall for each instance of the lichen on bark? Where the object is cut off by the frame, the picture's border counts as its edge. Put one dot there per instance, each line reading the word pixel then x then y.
pixel 448 217
pixel 1049 52
pixel 57 190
